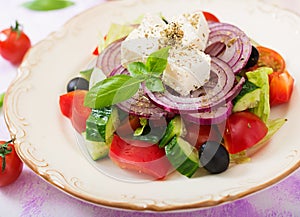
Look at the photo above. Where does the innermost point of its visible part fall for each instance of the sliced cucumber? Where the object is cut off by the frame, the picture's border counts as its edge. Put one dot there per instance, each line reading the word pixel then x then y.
pixel 96 150
pixel 174 128
pixel 183 156
pixel 101 124
pixel 248 97
pixel 249 100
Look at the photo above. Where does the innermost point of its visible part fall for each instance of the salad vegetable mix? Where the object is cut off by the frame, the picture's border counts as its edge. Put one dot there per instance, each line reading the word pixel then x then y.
pixel 177 93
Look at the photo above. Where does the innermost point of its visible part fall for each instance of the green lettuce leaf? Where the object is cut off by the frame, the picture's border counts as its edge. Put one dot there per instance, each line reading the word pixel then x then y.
pixel 260 78
pixel 115 32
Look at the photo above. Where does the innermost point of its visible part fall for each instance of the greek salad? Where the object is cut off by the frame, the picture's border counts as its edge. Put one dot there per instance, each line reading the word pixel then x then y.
pixel 182 93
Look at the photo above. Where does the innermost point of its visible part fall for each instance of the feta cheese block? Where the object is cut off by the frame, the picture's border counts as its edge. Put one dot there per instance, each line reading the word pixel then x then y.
pixel 195 28
pixel 188 69
pixel 187 34
pixel 142 41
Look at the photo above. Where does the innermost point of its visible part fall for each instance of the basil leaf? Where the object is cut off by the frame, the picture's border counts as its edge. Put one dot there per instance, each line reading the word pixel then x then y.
pixel 112 90
pixel 137 68
pixel 157 61
pixel 47 5
pixel 1 99
pixel 155 84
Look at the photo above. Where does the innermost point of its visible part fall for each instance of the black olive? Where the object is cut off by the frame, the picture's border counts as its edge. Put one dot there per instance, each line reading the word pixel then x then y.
pixel 253 59
pixel 214 157
pixel 77 83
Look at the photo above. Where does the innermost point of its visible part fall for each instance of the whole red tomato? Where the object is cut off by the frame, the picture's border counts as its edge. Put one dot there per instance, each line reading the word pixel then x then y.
pixel 11 165
pixel 14 43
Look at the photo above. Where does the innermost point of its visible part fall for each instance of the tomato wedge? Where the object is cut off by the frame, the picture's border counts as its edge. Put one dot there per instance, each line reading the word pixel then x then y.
pixel 139 156
pixel 243 130
pixel 280 81
pixel 270 58
pixel 210 17
pixel 72 106
pixel 281 87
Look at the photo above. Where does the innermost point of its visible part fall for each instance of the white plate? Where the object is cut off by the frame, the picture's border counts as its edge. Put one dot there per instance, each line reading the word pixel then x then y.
pixel 47 144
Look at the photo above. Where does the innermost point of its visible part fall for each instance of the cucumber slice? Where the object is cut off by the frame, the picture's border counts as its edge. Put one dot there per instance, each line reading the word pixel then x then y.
pixel 101 124
pixel 249 100
pixel 183 156
pixel 96 150
pixel 174 128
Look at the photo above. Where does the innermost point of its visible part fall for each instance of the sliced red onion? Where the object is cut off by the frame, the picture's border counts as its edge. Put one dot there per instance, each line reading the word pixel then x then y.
pixel 215 49
pixel 215 116
pixel 141 106
pixel 238 45
pixel 110 57
pixel 213 93
pixel 119 70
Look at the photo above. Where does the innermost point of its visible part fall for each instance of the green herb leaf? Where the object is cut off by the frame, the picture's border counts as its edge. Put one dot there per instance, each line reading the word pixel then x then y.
pixel 1 99
pixel 137 68
pixel 155 84
pixel 157 62
pixel 47 5
pixel 112 90
pixel 86 74
pixel 139 131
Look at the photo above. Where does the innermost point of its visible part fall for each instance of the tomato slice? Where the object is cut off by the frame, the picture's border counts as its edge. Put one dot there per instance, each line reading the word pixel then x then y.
pixel 281 87
pixel 140 156
pixel 243 130
pixel 72 106
pixel 270 58
pixel 210 17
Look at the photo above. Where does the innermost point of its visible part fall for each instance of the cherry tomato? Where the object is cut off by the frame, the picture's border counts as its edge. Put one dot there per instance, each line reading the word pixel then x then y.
pixel 242 131
pixel 11 165
pixel 210 17
pixel 281 87
pixel 140 156
pixel 72 106
pixel 14 43
pixel 198 135
pixel 270 58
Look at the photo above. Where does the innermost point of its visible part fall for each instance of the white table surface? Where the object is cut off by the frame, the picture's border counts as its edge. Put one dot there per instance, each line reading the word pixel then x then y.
pixel 32 196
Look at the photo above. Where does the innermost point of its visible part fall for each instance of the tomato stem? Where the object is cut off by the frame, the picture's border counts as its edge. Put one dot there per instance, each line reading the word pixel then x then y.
pixel 4 150
pixel 17 28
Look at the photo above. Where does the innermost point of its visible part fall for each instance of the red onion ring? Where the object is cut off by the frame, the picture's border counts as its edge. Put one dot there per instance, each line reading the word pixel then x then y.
pixel 238 45
pixel 110 57
pixel 215 116
pixel 212 95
